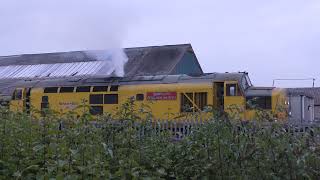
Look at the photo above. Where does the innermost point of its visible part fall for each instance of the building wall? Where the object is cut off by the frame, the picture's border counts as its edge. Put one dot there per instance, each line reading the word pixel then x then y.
pixel 317 112
pixel 188 65
pixel 301 109
pixel 313 92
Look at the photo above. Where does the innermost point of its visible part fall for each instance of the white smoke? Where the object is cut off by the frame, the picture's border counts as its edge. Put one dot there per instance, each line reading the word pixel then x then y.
pixel 115 60
pixel 37 26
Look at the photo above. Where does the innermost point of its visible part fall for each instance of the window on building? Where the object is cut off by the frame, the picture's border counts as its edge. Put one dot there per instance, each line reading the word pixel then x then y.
pixel 66 89
pixel 200 99
pixel 140 97
pixel 51 90
pixel 96 99
pixel 96 110
pixel 186 102
pixel 17 94
pixel 83 89
pixel 259 102
pixel 114 88
pixel 111 99
pixel 100 89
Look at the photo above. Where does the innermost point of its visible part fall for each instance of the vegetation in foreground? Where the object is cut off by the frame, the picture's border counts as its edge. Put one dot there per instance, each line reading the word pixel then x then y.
pixel 220 148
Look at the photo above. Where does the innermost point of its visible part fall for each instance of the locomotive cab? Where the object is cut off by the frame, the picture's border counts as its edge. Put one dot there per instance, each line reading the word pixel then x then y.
pixel 234 101
pixel 20 101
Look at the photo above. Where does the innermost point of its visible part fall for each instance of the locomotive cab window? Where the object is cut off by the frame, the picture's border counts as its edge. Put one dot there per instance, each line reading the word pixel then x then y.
pixel 233 90
pixel 100 88
pixel 111 99
pixel 17 94
pixel 66 89
pixel 140 97
pixel 51 90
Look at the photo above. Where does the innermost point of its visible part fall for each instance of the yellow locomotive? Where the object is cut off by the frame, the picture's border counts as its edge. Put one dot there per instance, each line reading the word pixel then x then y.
pixel 167 96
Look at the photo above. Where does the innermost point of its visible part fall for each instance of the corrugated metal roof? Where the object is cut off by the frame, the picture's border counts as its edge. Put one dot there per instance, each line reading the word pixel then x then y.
pixel 311 92
pixel 45 58
pixel 56 70
pixel 142 61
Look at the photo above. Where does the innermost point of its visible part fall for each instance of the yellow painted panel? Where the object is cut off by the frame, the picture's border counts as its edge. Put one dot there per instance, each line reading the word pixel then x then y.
pixel 16 105
pixel 235 106
pixel 160 109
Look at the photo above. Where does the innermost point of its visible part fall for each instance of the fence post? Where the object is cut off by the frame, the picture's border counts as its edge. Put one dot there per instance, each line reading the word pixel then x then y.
pixel 166 123
pixel 184 127
pixel 175 129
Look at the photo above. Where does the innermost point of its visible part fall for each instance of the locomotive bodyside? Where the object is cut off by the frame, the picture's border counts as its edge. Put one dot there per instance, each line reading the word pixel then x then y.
pixel 187 96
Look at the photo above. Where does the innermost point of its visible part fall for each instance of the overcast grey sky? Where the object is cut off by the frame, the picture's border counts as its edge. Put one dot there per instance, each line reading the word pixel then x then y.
pixel 269 39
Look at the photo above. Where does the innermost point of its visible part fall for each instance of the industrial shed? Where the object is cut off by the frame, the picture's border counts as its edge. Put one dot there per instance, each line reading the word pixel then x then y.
pixel 309 92
pixel 142 61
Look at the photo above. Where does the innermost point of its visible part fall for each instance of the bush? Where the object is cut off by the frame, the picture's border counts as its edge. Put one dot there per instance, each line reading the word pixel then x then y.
pixel 75 148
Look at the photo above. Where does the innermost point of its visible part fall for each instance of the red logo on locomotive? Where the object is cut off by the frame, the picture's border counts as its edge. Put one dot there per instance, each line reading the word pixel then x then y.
pixel 161 96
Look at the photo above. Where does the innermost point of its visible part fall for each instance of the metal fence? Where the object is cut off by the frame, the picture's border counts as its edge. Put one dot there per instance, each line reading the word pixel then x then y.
pixel 176 128
pixel 179 129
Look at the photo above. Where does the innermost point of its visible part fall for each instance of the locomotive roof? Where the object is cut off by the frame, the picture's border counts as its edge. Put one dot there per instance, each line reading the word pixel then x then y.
pixel 241 77
pixel 102 80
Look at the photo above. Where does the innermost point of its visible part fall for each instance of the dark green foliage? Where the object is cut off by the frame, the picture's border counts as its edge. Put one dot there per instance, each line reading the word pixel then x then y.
pixel 219 149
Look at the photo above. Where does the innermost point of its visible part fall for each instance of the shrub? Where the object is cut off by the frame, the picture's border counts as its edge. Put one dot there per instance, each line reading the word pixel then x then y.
pixel 76 148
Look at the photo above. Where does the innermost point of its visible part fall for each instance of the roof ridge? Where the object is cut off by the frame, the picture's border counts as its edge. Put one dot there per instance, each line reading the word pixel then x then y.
pixel 44 53
pixel 157 46
pixel 81 51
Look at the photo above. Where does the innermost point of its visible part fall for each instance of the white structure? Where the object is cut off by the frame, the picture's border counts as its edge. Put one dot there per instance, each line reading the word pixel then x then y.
pixel 301 109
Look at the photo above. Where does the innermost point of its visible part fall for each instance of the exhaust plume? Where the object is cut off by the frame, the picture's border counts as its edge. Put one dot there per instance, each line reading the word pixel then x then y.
pixel 115 60
pixel 61 26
